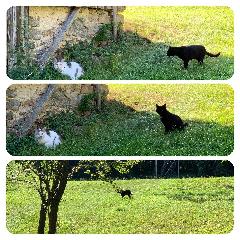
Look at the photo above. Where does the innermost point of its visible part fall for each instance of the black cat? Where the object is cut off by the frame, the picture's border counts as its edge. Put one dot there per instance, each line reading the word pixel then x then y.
pixel 170 120
pixel 187 53
pixel 124 193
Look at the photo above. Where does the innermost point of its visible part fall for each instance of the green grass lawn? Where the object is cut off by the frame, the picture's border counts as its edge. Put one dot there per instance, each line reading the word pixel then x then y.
pixel 129 126
pixel 132 57
pixel 193 205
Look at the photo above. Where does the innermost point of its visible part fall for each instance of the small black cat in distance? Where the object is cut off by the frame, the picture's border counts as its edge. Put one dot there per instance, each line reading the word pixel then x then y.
pixel 124 193
pixel 187 53
pixel 170 120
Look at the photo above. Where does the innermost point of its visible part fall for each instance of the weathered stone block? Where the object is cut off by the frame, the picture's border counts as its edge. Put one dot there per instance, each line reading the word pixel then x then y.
pixel 13 104
pixel 9 116
pixel 35 34
pixel 34 21
pixel 120 18
pixel 11 93
pixel 86 88
pixel 44 21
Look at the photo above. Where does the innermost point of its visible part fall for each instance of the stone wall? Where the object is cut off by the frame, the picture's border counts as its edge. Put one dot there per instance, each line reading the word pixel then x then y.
pixel 44 21
pixel 21 99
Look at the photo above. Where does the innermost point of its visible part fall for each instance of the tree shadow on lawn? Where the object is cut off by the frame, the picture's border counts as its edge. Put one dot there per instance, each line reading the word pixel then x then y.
pixel 119 130
pixel 136 58
pixel 131 57
pixel 210 189
pixel 202 197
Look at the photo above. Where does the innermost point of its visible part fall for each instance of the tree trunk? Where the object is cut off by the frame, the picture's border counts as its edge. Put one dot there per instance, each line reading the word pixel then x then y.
pixel 42 218
pixel 53 214
pixel 55 201
pixel 58 188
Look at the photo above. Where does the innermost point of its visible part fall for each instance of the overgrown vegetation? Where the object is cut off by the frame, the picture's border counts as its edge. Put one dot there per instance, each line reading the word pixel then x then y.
pixel 129 126
pixel 140 52
pixel 197 205
pixel 86 103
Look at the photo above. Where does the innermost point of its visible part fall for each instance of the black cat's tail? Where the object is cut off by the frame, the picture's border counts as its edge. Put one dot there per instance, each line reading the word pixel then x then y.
pixel 212 55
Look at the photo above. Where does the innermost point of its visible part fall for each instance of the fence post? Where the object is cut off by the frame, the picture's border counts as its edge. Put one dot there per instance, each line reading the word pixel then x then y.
pixel 178 168
pixel 98 99
pixel 156 168
pixel 115 23
pixel 11 36
pixel 17 23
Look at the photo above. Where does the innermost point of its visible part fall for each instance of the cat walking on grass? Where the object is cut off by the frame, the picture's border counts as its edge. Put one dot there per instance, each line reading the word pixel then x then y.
pixel 124 193
pixel 187 53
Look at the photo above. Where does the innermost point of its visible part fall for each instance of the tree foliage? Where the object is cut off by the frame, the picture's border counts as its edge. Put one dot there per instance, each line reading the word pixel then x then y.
pixel 50 178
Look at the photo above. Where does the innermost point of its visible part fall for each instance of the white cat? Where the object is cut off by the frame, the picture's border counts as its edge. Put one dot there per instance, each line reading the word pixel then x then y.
pixel 50 139
pixel 71 69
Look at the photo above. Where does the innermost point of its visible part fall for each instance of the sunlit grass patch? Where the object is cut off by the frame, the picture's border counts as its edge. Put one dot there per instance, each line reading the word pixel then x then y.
pixel 129 126
pixel 140 52
pixel 191 205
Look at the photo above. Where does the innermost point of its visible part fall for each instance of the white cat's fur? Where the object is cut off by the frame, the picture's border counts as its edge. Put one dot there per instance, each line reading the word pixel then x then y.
pixel 50 139
pixel 71 69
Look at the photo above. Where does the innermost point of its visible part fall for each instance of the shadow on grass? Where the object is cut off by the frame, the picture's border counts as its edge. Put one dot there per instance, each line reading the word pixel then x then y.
pixel 119 130
pixel 131 57
pixel 198 197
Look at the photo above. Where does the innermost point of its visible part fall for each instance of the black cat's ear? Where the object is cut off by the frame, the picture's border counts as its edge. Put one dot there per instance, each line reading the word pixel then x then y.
pixel 157 105
pixel 164 105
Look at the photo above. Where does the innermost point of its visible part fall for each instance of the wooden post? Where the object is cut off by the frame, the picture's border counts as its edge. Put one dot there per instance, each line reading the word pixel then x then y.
pixel 178 168
pixel 59 35
pixel 115 23
pixel 97 90
pixel 25 27
pixel 17 24
pixel 11 36
pixel 156 168
pixel 23 125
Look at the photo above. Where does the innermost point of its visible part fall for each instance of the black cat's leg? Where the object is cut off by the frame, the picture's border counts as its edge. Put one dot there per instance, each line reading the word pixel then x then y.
pixel 186 64
pixel 166 131
pixel 181 127
pixel 200 60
